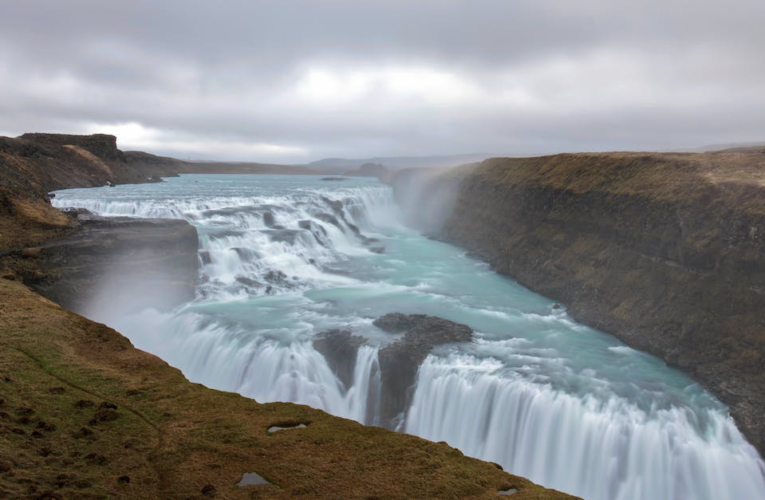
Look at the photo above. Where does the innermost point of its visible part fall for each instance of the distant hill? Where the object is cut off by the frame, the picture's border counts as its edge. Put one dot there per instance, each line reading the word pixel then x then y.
pixel 341 165
pixel 711 148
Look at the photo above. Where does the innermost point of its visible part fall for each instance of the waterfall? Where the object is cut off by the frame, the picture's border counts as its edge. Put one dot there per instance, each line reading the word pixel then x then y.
pixel 283 258
pixel 599 450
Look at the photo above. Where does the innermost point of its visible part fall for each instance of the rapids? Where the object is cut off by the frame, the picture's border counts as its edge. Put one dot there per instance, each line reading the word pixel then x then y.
pixel 286 257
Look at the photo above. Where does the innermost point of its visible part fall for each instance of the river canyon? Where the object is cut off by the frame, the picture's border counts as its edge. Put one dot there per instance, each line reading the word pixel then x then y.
pixel 286 259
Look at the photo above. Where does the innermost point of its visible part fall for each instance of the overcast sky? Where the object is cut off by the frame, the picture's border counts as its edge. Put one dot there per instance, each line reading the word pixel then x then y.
pixel 297 80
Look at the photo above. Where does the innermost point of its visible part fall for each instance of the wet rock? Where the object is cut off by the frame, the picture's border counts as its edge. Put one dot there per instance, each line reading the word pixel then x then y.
pixel 287 236
pixel 248 282
pixel 204 257
pixel 339 348
pixel 336 206
pixel 276 277
pixel 318 232
pixel 269 220
pixel 400 360
pixel 102 264
pixel 330 219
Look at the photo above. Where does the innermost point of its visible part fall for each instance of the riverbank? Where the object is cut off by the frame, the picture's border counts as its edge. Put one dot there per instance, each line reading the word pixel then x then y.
pixel 665 251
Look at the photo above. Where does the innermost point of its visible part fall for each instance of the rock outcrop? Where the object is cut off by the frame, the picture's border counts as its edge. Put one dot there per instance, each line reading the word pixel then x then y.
pixel 417 336
pixel 665 251
pixel 400 360
pixel 120 265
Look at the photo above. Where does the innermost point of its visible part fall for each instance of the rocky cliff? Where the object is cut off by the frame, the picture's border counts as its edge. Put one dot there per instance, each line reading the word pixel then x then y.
pixel 665 251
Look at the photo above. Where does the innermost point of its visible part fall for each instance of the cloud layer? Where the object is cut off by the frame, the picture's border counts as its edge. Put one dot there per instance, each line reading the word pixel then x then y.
pixel 300 80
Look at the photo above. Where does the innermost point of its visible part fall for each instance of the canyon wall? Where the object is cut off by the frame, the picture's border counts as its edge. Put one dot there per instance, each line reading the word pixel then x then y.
pixel 665 251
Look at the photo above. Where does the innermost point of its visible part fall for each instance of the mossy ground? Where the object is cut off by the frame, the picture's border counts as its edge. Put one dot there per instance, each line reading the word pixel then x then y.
pixel 61 377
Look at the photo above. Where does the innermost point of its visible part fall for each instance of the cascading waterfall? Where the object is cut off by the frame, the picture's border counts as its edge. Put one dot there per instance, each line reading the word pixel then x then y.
pixel 596 449
pixel 286 257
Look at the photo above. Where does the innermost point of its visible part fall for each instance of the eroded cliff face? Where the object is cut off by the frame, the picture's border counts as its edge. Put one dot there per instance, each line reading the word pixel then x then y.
pixel 666 251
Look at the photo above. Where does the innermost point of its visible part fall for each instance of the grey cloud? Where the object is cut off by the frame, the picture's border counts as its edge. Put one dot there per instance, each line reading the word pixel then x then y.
pixel 389 77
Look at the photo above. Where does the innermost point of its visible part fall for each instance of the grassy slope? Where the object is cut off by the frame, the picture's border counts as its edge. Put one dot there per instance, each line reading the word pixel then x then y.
pixel 172 438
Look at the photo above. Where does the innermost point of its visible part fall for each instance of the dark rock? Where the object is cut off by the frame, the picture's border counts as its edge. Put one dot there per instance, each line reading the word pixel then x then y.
pixel 204 257
pixel 123 479
pixel 107 405
pixel 106 260
pixel 339 347
pixel 329 219
pixel 400 360
pixel 270 221
pixel 249 282
pixel 276 277
pixel 283 235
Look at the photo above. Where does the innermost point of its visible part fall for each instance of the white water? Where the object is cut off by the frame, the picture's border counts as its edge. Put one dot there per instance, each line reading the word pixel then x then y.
pixel 562 404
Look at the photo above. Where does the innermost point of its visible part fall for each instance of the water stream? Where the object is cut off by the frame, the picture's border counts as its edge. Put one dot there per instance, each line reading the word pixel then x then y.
pixel 286 257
